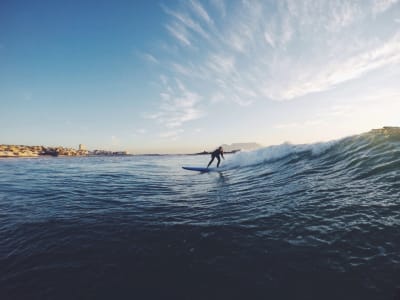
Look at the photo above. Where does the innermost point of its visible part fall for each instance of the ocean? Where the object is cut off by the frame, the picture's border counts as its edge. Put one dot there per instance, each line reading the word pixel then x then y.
pixel 314 221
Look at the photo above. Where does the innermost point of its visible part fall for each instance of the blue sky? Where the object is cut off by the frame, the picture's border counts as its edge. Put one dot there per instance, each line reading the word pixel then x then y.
pixel 184 76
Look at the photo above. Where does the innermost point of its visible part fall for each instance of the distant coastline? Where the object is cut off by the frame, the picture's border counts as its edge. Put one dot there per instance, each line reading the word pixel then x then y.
pixel 36 151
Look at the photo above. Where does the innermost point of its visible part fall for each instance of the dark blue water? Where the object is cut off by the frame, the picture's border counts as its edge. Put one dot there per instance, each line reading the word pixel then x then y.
pixel 314 221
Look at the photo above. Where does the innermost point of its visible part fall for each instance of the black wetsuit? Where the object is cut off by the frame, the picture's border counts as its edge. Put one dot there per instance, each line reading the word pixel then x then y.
pixel 216 154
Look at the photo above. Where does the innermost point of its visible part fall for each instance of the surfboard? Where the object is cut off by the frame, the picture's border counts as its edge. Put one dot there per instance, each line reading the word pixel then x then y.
pixel 200 169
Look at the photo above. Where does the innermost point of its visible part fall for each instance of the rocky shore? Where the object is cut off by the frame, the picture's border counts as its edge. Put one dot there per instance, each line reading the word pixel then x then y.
pixel 34 151
pixel 387 130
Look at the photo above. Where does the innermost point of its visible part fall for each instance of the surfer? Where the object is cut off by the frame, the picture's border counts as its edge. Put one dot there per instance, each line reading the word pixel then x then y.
pixel 216 154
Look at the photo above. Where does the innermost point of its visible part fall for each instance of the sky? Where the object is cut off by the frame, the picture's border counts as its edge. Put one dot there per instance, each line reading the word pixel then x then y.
pixel 187 76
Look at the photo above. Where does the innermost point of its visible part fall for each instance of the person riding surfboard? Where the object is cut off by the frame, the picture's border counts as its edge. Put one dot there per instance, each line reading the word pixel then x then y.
pixel 216 154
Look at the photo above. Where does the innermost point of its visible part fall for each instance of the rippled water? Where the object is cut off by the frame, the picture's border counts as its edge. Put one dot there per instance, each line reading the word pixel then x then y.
pixel 316 221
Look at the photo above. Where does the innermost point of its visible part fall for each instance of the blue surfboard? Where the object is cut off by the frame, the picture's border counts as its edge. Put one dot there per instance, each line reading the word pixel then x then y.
pixel 200 169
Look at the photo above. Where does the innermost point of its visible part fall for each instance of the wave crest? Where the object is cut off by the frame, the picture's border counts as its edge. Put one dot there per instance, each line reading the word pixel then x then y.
pixel 277 152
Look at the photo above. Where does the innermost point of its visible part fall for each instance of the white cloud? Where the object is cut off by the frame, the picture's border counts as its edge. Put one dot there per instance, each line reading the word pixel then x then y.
pixel 181 69
pixel 278 31
pixel 342 15
pixel 221 64
pixel 186 21
pixel 380 6
pixel 179 32
pixel 282 50
pixel 150 58
pixel 269 38
pixel 305 79
pixel 178 105
pixel 200 11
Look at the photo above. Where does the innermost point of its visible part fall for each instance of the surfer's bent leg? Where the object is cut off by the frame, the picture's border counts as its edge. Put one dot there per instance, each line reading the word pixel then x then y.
pixel 219 160
pixel 212 159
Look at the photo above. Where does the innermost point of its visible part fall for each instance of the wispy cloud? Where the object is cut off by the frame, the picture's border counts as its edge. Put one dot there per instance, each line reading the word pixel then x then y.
pixel 178 105
pixel 276 50
pixel 339 71
pixel 379 6
pixel 224 64
pixel 186 21
pixel 150 58
pixel 200 11
pixel 343 14
pixel 179 32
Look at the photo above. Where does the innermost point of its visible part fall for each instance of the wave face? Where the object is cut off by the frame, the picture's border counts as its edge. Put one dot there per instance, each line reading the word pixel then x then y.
pixel 316 221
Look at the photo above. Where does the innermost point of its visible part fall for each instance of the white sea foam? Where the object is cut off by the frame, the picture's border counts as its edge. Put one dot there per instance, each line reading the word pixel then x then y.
pixel 270 153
